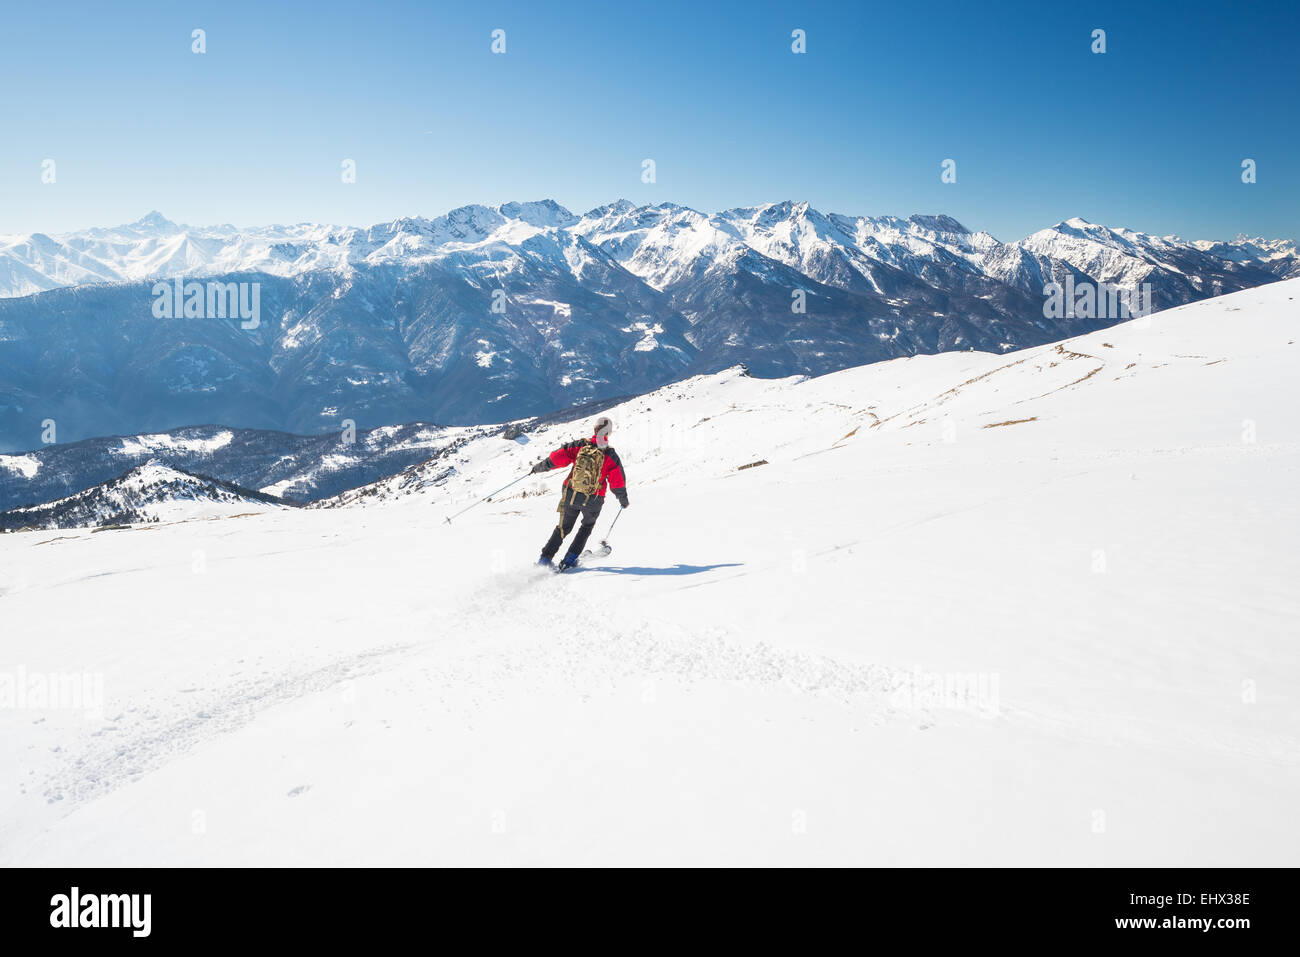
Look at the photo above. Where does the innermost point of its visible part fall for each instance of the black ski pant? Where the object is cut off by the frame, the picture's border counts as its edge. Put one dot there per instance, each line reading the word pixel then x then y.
pixel 573 504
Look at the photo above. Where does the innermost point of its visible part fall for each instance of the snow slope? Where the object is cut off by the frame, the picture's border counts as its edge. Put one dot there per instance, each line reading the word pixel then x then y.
pixel 1036 608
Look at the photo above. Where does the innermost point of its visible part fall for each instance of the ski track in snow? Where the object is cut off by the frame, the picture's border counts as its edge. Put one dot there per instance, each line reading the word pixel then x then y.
pixel 157 738
pixel 662 649
pixel 509 616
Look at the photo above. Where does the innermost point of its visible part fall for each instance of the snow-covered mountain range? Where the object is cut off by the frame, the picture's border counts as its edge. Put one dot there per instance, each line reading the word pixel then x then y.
pixel 660 244
pixel 295 467
pixel 147 493
pixel 493 312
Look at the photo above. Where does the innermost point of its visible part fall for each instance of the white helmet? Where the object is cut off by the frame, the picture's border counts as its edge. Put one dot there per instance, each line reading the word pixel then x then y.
pixel 603 427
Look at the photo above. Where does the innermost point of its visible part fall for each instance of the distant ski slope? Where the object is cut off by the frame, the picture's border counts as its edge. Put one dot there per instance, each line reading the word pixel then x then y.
pixel 1035 608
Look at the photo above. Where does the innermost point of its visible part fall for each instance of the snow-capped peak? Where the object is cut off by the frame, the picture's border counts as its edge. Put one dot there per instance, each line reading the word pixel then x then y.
pixel 154 220
pixel 617 208
pixel 939 224
pixel 542 212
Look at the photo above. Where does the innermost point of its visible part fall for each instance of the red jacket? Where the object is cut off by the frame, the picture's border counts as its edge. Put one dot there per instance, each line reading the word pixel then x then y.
pixel 611 472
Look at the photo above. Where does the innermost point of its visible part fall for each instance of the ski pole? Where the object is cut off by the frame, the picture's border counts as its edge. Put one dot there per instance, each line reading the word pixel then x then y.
pixel 604 542
pixel 611 526
pixel 486 497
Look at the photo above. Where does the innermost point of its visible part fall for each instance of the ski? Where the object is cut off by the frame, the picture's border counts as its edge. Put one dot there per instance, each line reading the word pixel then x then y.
pixel 601 551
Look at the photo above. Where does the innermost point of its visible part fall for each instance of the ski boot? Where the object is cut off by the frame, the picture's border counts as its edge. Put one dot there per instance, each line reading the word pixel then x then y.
pixel 569 561
pixel 546 563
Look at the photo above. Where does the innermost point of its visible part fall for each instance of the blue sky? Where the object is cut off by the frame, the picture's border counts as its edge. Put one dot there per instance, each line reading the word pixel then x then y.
pixel 1150 134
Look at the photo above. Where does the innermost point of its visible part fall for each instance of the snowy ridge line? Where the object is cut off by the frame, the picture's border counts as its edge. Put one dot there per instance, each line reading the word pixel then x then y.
pixel 660 243
pixel 148 493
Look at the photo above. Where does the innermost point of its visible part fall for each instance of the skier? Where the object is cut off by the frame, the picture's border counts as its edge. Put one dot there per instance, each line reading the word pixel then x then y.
pixel 595 465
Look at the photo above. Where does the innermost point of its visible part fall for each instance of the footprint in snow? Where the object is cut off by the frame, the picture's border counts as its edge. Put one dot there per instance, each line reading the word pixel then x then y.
pixel 299 790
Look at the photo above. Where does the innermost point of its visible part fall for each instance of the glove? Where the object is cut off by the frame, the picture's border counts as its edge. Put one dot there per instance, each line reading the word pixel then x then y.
pixel 543 466
pixel 621 495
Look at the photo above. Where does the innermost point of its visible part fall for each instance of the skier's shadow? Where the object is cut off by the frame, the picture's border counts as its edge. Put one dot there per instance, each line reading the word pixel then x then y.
pixel 678 569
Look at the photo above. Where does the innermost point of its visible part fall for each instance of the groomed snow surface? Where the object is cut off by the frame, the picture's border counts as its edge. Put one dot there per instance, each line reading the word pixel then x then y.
pixel 1038 608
